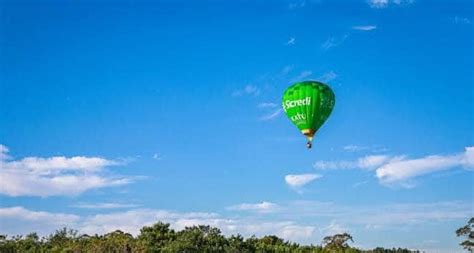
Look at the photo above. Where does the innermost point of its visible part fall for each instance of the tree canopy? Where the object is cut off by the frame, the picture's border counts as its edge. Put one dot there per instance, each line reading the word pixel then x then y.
pixel 161 238
pixel 467 231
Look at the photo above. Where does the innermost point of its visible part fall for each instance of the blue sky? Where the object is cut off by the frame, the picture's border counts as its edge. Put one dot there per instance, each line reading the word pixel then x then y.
pixel 116 115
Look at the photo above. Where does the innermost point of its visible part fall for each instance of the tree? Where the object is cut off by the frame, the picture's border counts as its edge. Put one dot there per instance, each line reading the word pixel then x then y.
pixel 160 238
pixel 337 242
pixel 198 239
pixel 468 232
pixel 63 240
pixel 236 244
pixel 154 238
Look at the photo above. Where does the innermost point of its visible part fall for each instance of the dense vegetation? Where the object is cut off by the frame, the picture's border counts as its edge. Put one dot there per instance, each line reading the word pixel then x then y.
pixel 467 232
pixel 161 238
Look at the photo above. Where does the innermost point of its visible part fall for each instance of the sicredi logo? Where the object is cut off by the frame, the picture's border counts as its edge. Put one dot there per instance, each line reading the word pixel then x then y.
pixel 292 103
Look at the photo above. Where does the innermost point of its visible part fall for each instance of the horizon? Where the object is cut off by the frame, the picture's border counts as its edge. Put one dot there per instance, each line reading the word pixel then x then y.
pixel 119 115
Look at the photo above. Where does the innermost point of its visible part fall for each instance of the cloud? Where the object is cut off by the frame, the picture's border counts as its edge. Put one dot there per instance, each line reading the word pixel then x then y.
pixel 296 220
pixel 18 220
pixel 461 20
pixel 291 41
pixel 59 164
pixel 403 169
pixel 133 220
pixel 333 42
pixel 372 161
pixel 263 207
pixel 247 90
pixel 333 228
pixel 24 221
pixel 411 214
pixel 295 4
pixel 369 162
pixel 375 216
pixel 273 111
pixel 364 27
pixel 287 69
pixel 36 176
pixel 399 169
pixel 302 75
pixel 380 4
pixel 353 148
pixel 106 205
pixel 301 179
pixel 157 156
pixel 327 77
pixel 358 148
pixel 274 114
pixel 4 152
pixel 334 165
pixel 267 105
pixel 359 184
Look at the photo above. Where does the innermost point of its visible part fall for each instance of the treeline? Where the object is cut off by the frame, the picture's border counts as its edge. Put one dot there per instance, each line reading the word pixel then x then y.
pixel 161 238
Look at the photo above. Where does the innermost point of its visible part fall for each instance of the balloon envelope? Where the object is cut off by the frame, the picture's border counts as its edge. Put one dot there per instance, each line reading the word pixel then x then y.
pixel 308 104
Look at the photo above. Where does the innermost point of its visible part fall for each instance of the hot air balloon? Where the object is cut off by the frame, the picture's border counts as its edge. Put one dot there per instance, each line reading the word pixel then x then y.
pixel 308 104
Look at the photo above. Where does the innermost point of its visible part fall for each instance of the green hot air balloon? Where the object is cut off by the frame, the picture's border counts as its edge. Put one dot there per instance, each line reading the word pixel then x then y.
pixel 308 104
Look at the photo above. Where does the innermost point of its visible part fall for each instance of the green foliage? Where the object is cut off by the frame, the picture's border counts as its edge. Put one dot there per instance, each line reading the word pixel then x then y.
pixel 467 231
pixel 161 238
pixel 337 242
pixel 155 238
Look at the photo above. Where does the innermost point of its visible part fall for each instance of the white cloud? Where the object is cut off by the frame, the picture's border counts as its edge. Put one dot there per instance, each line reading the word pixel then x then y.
pixel 273 110
pixel 36 176
pixel 353 148
pixel 399 169
pixel 4 152
pixel 106 205
pixel 380 4
pixel 59 164
pixel 403 169
pixel 287 69
pixel 461 20
pixel 296 221
pixel 24 214
pixel 295 4
pixel 272 115
pixel 18 220
pixel 358 184
pixel 131 221
pixel 364 27
pixel 301 179
pixel 358 148
pixel 263 207
pixel 301 76
pixel 395 215
pixel 157 157
pixel 291 41
pixel 334 165
pixel 411 214
pixel 247 90
pixel 367 162
pixel 327 77
pixel 333 42
pixel 267 105
pixel 372 161
pixel 334 228
pixel 23 183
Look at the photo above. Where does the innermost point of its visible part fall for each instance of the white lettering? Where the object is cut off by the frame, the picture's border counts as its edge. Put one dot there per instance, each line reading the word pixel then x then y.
pixel 300 102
